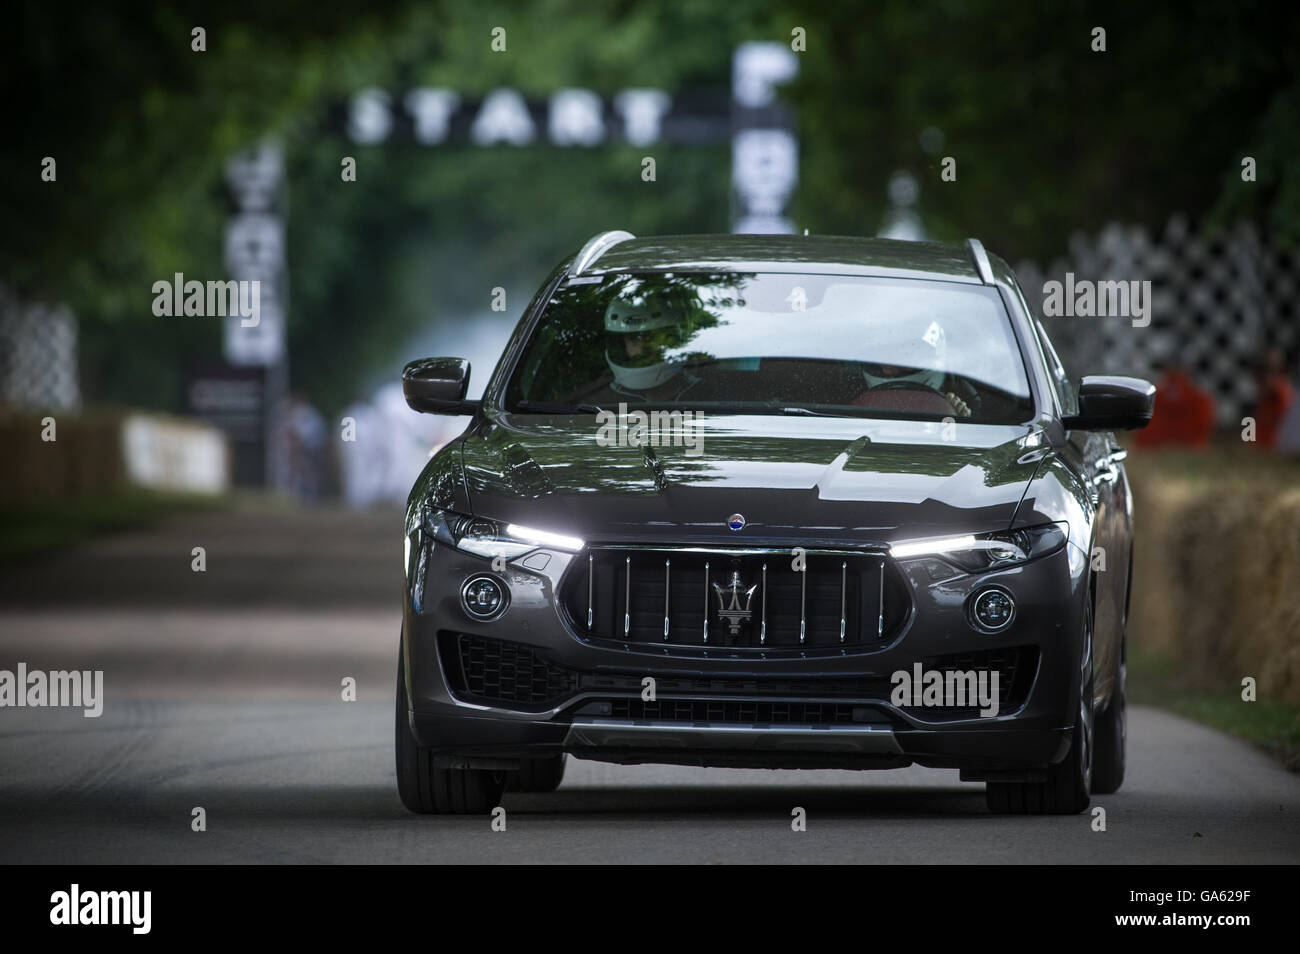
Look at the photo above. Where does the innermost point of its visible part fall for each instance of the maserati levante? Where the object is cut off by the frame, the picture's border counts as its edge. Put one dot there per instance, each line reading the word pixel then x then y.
pixel 770 502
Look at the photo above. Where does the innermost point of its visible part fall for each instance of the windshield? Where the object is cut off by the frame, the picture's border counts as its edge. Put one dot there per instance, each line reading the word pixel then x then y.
pixel 785 343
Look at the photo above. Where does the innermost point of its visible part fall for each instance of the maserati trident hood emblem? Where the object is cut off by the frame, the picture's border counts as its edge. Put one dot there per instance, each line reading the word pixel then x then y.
pixel 736 521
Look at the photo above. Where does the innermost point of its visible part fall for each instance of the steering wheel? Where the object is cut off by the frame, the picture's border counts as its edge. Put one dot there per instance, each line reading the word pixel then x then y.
pixel 904 386
pixel 940 398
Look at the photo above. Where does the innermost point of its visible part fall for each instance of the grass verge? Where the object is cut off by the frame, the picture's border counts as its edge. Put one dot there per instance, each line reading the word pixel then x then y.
pixel 1156 679
pixel 34 527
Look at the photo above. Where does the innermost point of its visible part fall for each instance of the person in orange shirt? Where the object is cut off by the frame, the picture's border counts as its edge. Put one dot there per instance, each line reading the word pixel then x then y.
pixel 1276 395
pixel 1183 415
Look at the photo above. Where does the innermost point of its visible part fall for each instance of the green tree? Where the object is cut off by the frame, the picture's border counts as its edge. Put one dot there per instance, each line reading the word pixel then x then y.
pixel 1048 134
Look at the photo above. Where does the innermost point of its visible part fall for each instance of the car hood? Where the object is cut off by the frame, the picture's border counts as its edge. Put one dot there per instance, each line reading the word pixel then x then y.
pixel 809 479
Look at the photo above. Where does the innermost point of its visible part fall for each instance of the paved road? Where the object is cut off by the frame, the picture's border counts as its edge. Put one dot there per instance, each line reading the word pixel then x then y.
pixel 233 704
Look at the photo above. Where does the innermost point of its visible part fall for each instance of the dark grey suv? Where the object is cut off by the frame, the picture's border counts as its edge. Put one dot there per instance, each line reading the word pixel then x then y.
pixel 770 501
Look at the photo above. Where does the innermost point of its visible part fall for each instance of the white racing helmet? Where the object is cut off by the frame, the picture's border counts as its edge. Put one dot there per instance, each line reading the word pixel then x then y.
pixel 911 348
pixel 641 326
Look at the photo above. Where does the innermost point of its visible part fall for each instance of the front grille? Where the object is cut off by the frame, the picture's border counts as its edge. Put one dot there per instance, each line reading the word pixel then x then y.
pixel 738 711
pixel 736 599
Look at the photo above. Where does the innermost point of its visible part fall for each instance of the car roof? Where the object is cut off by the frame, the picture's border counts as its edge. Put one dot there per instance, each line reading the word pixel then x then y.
pixel 806 254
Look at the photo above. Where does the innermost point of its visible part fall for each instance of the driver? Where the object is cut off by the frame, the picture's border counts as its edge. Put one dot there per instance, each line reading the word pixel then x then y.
pixel 878 375
pixel 643 326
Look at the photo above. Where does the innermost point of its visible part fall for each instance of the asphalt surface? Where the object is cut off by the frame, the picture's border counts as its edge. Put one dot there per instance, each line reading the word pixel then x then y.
pixel 223 691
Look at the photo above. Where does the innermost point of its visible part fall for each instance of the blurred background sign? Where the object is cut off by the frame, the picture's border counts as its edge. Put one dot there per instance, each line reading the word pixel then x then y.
pixel 255 252
pixel 764 151
pixel 249 404
pixel 569 116
pixel 234 399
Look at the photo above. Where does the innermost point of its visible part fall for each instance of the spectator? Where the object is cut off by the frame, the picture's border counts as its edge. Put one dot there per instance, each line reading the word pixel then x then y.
pixel 1276 397
pixel 300 437
pixel 1184 413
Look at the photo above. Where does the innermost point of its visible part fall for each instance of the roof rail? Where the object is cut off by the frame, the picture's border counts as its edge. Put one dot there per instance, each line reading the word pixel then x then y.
pixel 597 247
pixel 981 260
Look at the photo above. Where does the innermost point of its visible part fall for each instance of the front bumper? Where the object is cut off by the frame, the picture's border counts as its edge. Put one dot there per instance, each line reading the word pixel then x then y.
pixel 734 708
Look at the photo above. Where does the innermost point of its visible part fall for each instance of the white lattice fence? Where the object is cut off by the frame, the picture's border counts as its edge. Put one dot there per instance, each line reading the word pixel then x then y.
pixel 38 355
pixel 1219 301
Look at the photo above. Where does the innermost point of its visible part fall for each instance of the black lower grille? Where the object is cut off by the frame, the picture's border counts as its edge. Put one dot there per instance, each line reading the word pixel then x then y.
pixel 820 688
pixel 739 711
pixel 516 675
pixel 755 600
pixel 500 671
pixel 1015 666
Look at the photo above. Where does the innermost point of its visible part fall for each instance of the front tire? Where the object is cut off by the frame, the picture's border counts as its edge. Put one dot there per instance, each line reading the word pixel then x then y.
pixel 1065 790
pixel 1112 732
pixel 1112 725
pixel 428 790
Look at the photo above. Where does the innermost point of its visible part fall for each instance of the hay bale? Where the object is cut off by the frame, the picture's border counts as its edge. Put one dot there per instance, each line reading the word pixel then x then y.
pixel 1153 614
pixel 1268 592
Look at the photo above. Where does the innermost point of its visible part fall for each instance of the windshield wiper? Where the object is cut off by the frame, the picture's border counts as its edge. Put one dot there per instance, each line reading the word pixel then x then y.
pixel 555 407
pixel 757 407
pixel 803 410
pixel 776 407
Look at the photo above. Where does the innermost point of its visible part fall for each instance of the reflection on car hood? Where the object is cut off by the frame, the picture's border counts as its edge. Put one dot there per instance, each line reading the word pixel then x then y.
pixel 792 478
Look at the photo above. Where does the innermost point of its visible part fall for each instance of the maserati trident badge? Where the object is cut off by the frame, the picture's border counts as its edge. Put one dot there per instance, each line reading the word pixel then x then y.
pixel 736 521
pixel 733 612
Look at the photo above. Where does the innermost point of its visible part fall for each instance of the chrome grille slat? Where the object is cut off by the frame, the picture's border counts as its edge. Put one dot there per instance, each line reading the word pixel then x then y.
pixel 803 603
pixel 706 601
pixel 880 622
pixel 668 586
pixel 844 570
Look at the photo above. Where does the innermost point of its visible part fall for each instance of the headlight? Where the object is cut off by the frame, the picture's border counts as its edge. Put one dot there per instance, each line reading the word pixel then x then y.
pixel 490 538
pixel 978 552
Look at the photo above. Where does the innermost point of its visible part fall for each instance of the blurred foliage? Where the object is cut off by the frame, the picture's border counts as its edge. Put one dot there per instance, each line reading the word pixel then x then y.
pixel 141 127
pixel 1049 136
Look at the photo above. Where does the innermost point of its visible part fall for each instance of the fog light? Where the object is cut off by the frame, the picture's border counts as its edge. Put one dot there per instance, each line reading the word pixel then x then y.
pixel 483 597
pixel 992 610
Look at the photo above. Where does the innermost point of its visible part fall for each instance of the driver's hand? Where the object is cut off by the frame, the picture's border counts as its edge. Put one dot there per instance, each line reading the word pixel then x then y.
pixel 958 405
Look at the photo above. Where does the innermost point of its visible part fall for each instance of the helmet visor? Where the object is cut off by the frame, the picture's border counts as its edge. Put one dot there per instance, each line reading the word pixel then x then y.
pixel 640 349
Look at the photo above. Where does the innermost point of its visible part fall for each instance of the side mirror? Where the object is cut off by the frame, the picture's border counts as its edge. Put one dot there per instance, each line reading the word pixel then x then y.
pixel 437 386
pixel 1108 403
